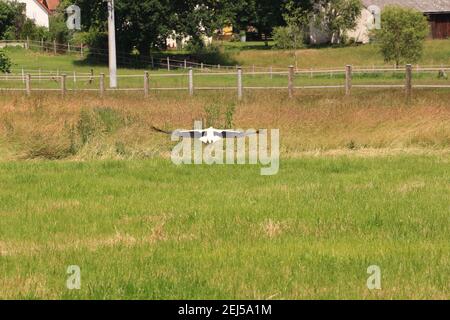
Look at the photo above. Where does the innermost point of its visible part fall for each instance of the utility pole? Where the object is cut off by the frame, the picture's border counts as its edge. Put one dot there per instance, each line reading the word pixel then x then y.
pixel 112 46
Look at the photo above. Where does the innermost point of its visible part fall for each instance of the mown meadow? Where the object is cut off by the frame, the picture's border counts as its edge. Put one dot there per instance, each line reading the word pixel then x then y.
pixel 147 229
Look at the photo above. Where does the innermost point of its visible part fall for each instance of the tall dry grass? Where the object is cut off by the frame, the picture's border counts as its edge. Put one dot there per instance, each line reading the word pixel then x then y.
pixel 84 126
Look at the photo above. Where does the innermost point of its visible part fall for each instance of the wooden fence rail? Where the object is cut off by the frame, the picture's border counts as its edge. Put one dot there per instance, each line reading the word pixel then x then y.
pixel 240 88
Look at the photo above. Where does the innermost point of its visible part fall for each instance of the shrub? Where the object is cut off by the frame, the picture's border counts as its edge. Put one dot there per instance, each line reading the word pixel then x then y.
pixel 288 37
pixel 5 62
pixel 97 42
pixel 58 29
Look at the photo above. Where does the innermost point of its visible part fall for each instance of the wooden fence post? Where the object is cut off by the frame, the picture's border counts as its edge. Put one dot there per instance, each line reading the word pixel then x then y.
pixel 408 84
pixel 63 84
pixel 91 78
pixel 28 84
pixel 239 83
pixel 168 64
pixel 191 81
pixel 54 46
pixel 42 44
pixel 81 50
pixel 348 80
pixel 68 47
pixel 102 84
pixel 146 83
pixel 291 82
pixel 28 43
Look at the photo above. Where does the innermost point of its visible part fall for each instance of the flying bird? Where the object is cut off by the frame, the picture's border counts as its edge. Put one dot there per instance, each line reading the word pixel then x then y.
pixel 207 136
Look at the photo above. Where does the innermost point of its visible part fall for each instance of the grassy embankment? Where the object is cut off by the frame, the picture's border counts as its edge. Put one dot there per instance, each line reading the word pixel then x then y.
pixel 83 126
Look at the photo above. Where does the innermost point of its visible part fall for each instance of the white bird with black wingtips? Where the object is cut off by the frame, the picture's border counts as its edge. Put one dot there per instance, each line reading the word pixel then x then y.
pixel 207 136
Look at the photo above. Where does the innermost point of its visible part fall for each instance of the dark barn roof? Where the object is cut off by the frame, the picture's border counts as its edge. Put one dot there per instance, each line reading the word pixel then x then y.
pixel 425 6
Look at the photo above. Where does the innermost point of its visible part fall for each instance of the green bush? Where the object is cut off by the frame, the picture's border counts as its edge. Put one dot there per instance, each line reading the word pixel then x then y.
pixel 58 29
pixel 288 38
pixel 5 62
pixel 98 44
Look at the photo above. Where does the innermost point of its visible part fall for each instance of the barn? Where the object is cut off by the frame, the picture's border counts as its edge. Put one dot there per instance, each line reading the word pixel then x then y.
pixel 437 11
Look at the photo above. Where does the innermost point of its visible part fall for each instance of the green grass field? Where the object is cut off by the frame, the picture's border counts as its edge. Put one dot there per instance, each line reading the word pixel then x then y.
pixel 364 180
pixel 149 229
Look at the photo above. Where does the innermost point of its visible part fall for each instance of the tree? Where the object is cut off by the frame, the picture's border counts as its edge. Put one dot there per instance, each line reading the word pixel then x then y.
pixel 264 15
pixel 194 19
pixel 5 62
pixel 145 24
pixel 402 34
pixel 268 15
pixel 336 17
pixel 297 13
pixel 12 19
pixel 15 25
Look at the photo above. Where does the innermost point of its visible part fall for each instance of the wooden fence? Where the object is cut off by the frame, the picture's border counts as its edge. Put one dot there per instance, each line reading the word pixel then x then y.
pixel 98 83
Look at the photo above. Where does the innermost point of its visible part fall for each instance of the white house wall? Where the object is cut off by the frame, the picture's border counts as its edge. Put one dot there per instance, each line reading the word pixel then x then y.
pixel 364 25
pixel 360 34
pixel 36 12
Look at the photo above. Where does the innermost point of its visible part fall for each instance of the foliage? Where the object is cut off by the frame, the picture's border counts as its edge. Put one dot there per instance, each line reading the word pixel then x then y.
pixel 229 116
pixel 10 16
pixel 33 32
pixel 337 16
pixel 264 15
pixel 5 62
pixel 214 114
pixel 96 40
pixel 297 13
pixel 15 25
pixel 58 29
pixel 145 24
pixel 402 35
pixel 288 37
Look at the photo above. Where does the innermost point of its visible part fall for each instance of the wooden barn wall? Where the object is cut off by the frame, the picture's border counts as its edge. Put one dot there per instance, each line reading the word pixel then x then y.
pixel 440 25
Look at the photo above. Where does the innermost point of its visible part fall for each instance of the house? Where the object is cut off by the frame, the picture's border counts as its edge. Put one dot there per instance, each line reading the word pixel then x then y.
pixel 173 42
pixel 437 12
pixel 40 10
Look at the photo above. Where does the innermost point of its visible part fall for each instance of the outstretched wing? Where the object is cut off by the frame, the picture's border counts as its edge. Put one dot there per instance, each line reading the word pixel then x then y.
pixel 182 133
pixel 193 134
pixel 160 130
pixel 233 134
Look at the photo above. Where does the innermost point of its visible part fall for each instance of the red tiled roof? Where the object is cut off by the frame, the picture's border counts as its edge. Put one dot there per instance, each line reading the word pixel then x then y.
pixel 43 5
pixel 52 4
